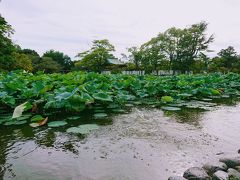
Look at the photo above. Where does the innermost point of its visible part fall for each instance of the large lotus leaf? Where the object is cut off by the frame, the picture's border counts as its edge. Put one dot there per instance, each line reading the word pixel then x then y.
pixel 182 84
pixel 52 104
pixel 37 86
pixel 215 92
pixel 19 109
pixel 118 85
pixel 83 129
pixel 86 98
pixel 57 123
pixel 167 99
pixel 37 118
pixel 142 93
pixel 63 96
pixel 6 99
pixel 102 96
pixel 75 106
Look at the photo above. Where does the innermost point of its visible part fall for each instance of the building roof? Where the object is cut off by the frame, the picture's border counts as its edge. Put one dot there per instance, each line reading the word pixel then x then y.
pixel 115 61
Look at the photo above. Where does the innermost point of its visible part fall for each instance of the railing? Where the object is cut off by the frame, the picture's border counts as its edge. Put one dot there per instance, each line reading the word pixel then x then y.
pixel 156 73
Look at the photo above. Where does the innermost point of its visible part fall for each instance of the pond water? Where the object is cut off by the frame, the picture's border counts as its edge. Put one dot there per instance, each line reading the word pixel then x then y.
pixel 143 144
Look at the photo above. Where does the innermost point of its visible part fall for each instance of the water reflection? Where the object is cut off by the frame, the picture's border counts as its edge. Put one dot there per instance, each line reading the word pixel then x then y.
pixel 148 134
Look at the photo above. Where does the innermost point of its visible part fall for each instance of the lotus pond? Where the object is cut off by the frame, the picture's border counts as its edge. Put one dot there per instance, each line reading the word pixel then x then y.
pixel 96 126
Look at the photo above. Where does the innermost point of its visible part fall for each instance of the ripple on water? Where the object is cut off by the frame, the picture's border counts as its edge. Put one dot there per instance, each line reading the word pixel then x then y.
pixel 144 143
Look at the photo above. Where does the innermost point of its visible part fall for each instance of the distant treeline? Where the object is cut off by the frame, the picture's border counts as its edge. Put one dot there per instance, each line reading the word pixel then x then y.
pixel 183 50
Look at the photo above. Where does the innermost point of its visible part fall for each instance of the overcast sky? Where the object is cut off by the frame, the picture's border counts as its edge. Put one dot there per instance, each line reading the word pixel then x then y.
pixel 70 25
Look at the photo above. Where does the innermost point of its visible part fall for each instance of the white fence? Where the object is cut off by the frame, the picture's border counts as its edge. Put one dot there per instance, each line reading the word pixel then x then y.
pixel 159 72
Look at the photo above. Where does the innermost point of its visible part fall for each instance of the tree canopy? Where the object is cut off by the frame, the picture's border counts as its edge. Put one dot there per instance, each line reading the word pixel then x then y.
pixel 6 45
pixel 96 58
pixel 176 49
pixel 60 58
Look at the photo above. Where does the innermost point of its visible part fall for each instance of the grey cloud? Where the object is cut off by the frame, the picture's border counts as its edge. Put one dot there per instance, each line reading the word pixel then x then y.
pixel 71 25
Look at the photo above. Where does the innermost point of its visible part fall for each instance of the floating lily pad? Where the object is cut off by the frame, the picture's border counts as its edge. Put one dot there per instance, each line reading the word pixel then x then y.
pixel 206 99
pixel 14 122
pixel 118 110
pixel 73 118
pixel 185 95
pixel 215 97
pixel 225 96
pixel 34 125
pixel 5 118
pixel 137 103
pixel 83 129
pixel 9 123
pixel 113 106
pixel 151 102
pixel 176 105
pixel 100 115
pixel 21 122
pixel 24 117
pixel 129 105
pixel 57 123
pixel 169 108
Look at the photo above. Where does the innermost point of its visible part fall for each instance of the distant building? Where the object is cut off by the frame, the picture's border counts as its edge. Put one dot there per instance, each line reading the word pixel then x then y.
pixel 115 62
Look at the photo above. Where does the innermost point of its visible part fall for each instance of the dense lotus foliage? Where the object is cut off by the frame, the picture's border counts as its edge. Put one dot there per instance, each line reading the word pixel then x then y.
pixel 43 94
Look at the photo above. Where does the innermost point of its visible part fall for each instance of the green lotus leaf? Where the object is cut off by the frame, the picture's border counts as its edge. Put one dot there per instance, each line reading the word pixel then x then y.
pixel 37 118
pixel 73 118
pixel 215 92
pixel 102 96
pixel 118 110
pixel 100 115
pixel 167 99
pixel 57 123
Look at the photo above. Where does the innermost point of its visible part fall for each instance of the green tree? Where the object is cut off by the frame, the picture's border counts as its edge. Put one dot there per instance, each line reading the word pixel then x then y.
pixel 182 46
pixel 169 43
pixel 48 65
pixel 136 56
pixel 201 64
pixel 33 55
pixel 6 45
pixel 22 61
pixel 152 55
pixel 194 41
pixel 229 57
pixel 29 52
pixel 60 58
pixel 96 59
pixel 217 65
